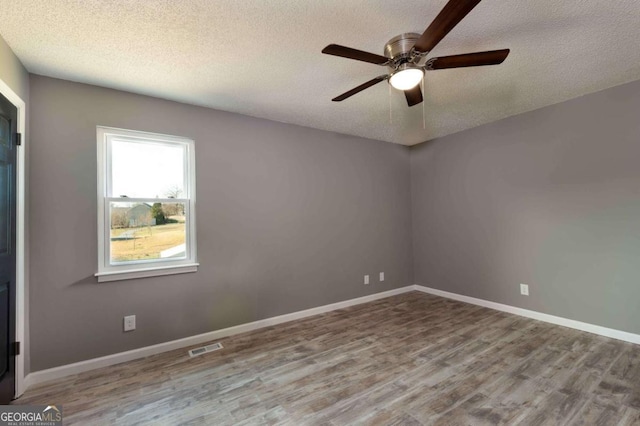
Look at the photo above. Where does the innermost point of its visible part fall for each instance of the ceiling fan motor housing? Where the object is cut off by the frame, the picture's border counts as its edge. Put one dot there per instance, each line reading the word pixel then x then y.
pixel 398 49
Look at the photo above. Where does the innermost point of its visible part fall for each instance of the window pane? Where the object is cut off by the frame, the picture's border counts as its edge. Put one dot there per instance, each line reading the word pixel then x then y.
pixel 147 170
pixel 147 231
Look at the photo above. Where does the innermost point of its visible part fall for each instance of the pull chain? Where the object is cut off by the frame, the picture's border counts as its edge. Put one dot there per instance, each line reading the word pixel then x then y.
pixel 424 120
pixel 390 115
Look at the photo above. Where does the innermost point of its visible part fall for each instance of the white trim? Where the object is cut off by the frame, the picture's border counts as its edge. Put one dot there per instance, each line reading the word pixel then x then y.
pixel 565 322
pixel 107 270
pixel 8 93
pixel 105 361
pixel 143 273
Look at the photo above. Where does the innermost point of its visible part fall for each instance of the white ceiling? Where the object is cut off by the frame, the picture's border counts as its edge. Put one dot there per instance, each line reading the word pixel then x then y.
pixel 262 58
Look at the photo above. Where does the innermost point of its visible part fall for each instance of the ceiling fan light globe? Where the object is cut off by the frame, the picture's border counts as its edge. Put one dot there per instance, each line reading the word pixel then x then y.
pixel 406 79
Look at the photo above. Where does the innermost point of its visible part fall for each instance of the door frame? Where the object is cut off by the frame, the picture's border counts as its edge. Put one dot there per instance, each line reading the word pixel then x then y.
pixel 8 93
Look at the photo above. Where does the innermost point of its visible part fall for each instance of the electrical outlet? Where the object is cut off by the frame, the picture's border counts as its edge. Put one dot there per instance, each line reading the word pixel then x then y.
pixel 381 276
pixel 366 280
pixel 524 289
pixel 130 323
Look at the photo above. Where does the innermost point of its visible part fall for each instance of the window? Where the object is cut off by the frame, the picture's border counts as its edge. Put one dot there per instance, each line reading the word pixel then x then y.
pixel 146 205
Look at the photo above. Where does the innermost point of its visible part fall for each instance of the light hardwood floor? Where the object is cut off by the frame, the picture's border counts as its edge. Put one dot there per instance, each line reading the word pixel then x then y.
pixel 406 360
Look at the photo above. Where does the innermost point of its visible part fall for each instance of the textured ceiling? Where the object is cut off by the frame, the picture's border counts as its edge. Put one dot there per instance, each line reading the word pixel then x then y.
pixel 262 58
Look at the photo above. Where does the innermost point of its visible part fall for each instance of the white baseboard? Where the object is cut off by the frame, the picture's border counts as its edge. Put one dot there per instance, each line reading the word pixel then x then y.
pixel 105 361
pixel 565 322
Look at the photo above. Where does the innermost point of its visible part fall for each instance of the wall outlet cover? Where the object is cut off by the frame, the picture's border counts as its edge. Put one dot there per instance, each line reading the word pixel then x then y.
pixel 130 323
pixel 366 279
pixel 381 276
pixel 524 289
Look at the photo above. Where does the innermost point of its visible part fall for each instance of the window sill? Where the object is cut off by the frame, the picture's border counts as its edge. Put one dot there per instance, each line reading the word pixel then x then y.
pixel 147 272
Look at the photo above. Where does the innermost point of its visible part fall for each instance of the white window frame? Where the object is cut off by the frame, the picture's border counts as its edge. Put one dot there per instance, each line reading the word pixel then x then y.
pixel 108 271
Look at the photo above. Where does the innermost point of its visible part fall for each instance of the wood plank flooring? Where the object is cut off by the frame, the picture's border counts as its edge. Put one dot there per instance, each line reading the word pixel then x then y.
pixel 412 359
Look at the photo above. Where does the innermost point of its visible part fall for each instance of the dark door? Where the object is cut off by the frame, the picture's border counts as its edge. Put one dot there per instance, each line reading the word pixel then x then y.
pixel 8 139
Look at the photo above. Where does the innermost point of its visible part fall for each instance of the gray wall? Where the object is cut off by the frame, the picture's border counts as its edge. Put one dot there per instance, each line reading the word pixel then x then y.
pixel 550 198
pixel 289 218
pixel 14 74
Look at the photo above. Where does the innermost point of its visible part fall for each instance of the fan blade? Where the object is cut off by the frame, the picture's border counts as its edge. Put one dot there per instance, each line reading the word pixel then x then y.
pixel 358 55
pixel 414 96
pixel 449 17
pixel 492 57
pixel 360 88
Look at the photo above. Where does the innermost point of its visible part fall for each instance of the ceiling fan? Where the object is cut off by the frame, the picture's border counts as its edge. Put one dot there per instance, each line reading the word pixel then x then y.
pixel 406 54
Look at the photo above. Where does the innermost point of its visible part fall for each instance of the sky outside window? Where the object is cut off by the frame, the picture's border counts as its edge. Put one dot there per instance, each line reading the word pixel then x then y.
pixel 144 170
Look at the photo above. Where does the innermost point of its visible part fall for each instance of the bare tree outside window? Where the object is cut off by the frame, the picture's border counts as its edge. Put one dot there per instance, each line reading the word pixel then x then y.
pixel 171 210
